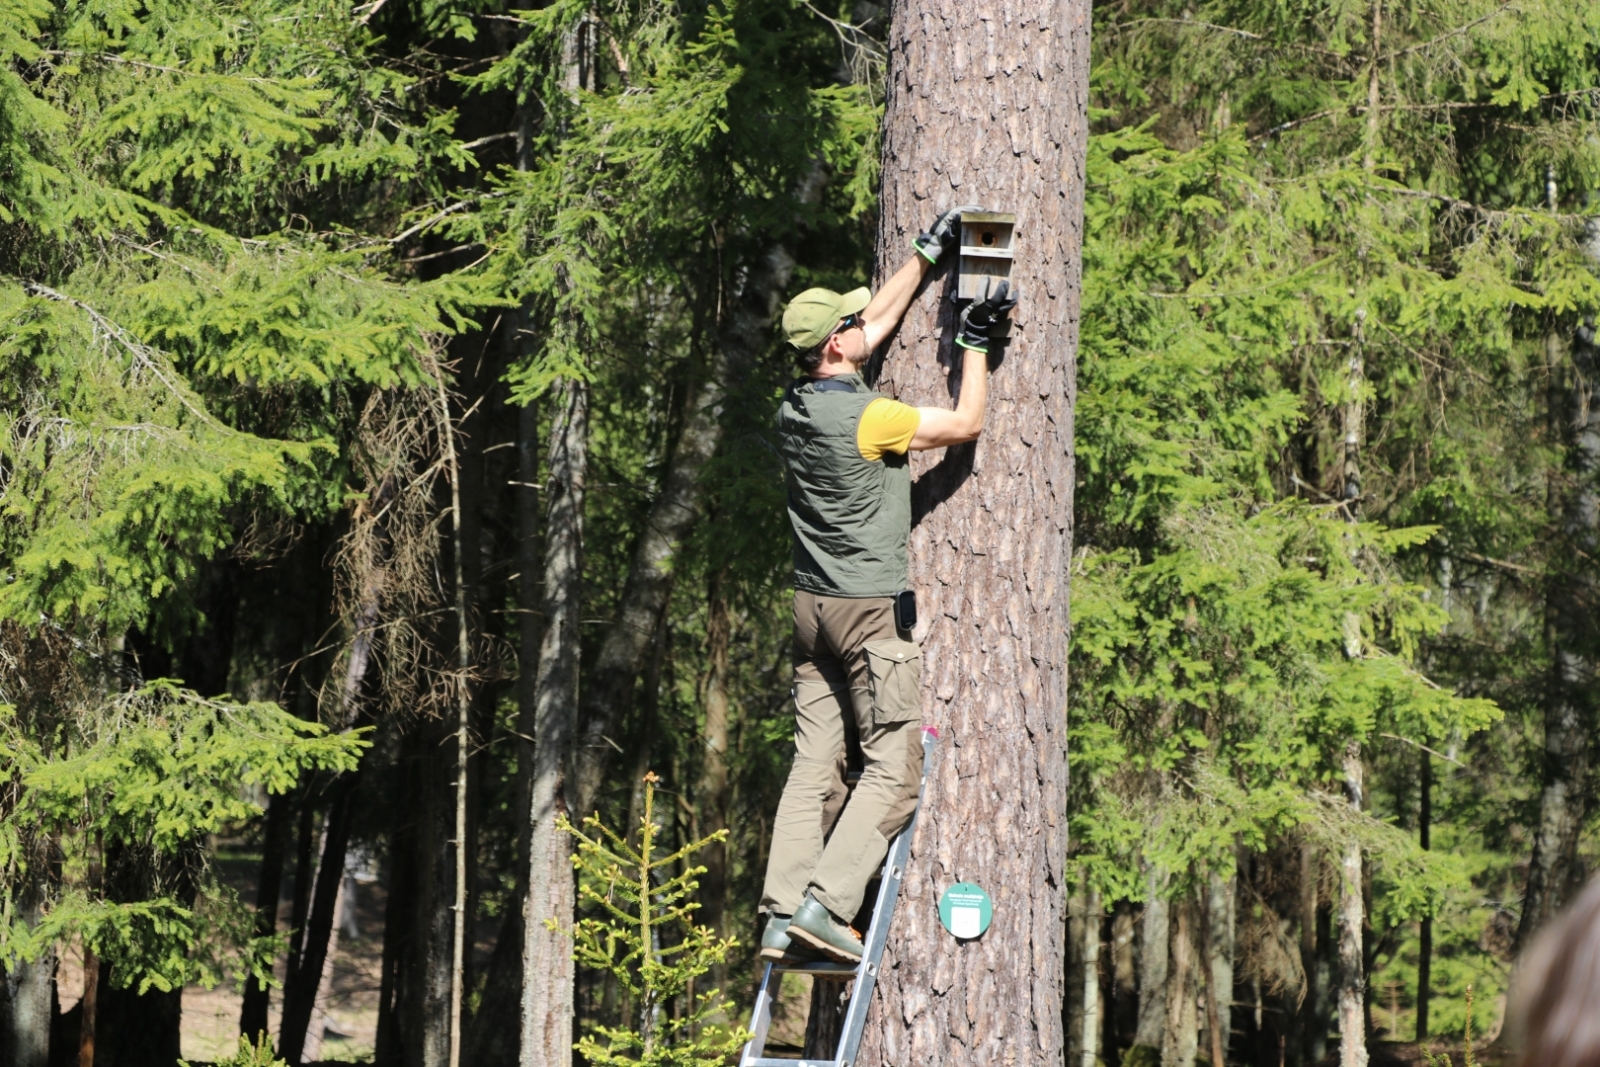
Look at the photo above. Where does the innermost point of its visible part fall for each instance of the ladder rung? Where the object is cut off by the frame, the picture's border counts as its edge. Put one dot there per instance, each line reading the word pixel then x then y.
pixel 844 970
pixel 778 1061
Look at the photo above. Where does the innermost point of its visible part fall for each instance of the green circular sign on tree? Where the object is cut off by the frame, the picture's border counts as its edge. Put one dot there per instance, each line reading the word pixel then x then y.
pixel 966 910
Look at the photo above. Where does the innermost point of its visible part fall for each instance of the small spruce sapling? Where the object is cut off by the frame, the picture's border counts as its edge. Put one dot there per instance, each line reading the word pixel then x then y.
pixel 640 903
pixel 1467 1059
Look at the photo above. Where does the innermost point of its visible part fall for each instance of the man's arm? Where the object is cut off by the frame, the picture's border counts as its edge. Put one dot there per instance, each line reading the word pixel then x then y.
pixel 880 317
pixel 889 303
pixel 941 427
pixel 982 319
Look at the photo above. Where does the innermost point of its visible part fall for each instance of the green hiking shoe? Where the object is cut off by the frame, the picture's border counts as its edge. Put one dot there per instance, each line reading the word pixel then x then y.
pixel 815 927
pixel 776 946
pixel 775 943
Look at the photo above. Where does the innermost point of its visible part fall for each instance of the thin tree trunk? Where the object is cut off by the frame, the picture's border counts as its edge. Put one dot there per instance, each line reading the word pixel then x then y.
pixel 312 1051
pixel 745 334
pixel 1154 946
pixel 1180 1038
pixel 305 975
pixel 1309 1018
pixel 1223 939
pixel 1352 910
pixel 714 774
pixel 1091 976
pixel 1218 939
pixel 88 1006
pixel 1352 973
pixel 1425 935
pixel 300 991
pixel 1554 871
pixel 269 889
pixel 305 858
pixel 987 105
pixel 458 931
pixel 27 988
pixel 547 977
pixel 1123 1012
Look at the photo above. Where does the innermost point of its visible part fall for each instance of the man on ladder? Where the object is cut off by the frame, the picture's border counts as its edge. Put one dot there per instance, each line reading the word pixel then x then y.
pixel 856 666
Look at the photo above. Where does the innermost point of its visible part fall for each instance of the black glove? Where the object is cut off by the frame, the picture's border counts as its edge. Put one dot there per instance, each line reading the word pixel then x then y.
pixel 987 316
pixel 937 239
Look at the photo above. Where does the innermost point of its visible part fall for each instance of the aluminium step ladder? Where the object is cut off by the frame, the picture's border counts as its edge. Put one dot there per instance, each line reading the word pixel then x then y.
pixel 864 974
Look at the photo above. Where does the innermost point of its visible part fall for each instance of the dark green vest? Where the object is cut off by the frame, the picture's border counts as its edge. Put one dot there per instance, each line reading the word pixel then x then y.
pixel 851 517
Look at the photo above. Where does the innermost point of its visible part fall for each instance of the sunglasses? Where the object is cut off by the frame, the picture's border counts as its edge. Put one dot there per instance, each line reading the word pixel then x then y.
pixel 849 322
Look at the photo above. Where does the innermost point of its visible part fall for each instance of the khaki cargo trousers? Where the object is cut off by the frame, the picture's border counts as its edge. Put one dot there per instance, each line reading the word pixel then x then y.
pixel 856 680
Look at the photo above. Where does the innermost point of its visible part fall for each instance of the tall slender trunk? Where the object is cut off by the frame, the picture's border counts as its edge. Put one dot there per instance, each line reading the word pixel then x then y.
pixel 320 892
pixel 1122 1013
pixel 713 792
pixel 320 1017
pixel 300 992
pixel 1218 941
pixel 547 976
pixel 269 889
pixel 1180 1037
pixel 745 333
pixel 1554 871
pixel 27 989
pixel 463 753
pixel 1310 1019
pixel 1352 910
pixel 988 105
pixel 1091 975
pixel 88 1008
pixel 1425 935
pixel 1352 972
pixel 1154 948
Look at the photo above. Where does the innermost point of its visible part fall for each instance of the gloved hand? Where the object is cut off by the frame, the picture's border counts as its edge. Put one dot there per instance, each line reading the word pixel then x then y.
pixel 984 317
pixel 936 240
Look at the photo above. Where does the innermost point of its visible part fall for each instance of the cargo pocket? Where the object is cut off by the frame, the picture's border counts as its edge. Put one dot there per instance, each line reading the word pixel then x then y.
pixel 894 668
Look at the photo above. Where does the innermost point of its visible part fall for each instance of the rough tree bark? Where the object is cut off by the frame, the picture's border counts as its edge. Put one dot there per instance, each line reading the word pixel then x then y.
pixel 986 104
pixel 547 975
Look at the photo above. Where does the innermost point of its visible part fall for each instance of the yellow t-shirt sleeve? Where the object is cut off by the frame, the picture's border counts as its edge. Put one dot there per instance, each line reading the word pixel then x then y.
pixel 886 426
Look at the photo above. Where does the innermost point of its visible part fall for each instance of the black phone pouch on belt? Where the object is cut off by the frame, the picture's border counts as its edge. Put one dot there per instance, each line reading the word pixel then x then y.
pixel 905 609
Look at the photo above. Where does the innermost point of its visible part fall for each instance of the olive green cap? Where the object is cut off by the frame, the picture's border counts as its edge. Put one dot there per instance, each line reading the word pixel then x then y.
pixel 815 313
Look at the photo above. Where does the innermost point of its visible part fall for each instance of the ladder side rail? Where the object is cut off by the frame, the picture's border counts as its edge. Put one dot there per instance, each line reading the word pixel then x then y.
pixel 760 1019
pixel 894 870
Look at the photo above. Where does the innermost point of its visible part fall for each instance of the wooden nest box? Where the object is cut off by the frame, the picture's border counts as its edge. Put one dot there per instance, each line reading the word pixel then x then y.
pixel 986 251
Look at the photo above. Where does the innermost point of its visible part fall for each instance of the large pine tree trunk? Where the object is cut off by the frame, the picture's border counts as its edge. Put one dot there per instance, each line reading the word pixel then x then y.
pixel 986 104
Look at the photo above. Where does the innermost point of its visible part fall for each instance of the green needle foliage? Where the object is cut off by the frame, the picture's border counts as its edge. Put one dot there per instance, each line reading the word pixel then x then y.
pixel 1312 226
pixel 187 336
pixel 642 933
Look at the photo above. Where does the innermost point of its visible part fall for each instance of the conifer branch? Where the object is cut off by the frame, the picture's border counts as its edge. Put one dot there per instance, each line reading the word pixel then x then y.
pixel 142 353
pixel 1448 34
pixel 1233 31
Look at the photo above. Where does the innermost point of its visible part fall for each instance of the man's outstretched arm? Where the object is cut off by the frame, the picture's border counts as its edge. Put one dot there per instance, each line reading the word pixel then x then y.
pixel 940 427
pixel 889 304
